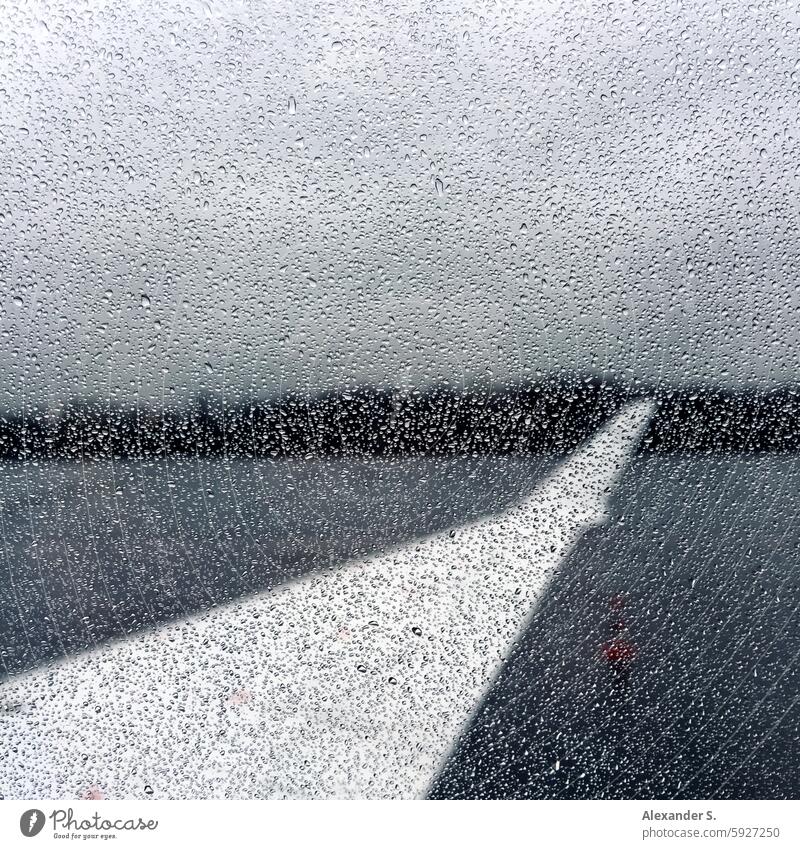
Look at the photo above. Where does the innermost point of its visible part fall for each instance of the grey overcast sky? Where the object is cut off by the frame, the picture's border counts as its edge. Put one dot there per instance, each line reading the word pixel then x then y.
pixel 259 196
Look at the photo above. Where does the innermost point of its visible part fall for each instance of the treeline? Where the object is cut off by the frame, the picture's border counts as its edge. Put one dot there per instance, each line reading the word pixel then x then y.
pixel 553 415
